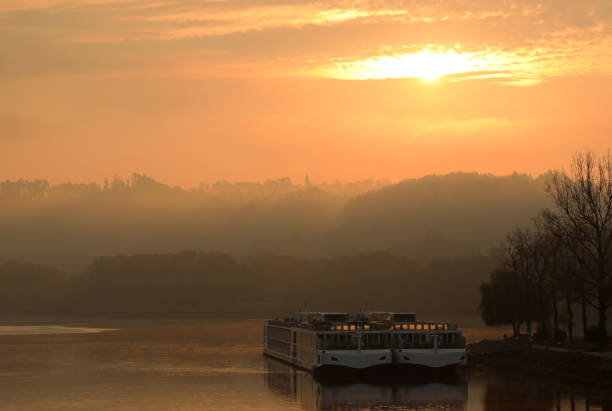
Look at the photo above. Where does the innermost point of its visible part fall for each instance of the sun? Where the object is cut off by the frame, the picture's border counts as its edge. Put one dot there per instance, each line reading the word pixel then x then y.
pixel 426 65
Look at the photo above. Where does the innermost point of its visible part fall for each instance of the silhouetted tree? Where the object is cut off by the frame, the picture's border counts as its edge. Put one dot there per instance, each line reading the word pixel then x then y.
pixel 523 256
pixel 583 221
pixel 502 300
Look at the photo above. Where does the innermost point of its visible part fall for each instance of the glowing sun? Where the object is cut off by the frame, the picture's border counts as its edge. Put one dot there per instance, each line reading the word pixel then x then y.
pixel 425 65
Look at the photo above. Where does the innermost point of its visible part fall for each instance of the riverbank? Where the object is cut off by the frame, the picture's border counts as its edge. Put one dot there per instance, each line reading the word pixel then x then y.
pixel 564 365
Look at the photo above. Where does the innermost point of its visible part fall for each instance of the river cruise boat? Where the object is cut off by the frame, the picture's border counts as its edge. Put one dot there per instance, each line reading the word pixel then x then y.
pixel 314 340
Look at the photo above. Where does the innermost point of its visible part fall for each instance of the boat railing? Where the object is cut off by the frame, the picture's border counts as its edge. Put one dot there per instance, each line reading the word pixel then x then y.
pixel 423 326
pixel 366 325
pixel 346 326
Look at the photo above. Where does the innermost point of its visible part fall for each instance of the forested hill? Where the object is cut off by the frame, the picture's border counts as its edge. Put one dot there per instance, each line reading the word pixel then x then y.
pixel 215 285
pixel 434 216
pixel 68 225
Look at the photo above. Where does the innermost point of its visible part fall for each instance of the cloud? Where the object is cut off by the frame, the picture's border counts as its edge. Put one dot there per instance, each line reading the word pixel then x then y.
pixel 268 38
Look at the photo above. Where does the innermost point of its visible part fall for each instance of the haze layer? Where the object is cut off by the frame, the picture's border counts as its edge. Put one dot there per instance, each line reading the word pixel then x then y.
pixel 191 91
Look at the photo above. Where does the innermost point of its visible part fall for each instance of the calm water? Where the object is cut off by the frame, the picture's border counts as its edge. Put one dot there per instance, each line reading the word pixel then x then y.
pixel 48 329
pixel 219 366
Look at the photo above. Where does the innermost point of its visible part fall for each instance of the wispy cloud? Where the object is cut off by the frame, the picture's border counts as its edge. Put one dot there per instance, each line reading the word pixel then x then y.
pixel 521 42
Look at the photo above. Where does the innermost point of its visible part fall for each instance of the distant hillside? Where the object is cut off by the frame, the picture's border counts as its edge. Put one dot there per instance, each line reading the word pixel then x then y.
pixel 68 225
pixel 434 216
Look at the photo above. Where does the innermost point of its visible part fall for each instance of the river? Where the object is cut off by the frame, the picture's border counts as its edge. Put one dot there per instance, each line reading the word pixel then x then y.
pixel 218 365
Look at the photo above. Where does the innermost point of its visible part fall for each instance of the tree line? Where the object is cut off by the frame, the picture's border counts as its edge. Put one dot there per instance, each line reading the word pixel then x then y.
pixel 561 261
pixel 143 187
pixel 212 285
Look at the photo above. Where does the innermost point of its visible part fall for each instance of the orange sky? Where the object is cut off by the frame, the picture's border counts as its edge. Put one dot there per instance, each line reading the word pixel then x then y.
pixel 190 91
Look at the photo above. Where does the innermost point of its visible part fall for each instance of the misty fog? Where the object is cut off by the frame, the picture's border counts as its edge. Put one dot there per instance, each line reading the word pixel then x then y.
pixel 67 225
pixel 139 247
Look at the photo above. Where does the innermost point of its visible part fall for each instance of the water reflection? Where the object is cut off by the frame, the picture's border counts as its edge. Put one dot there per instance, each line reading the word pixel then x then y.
pixel 441 392
pixel 468 389
pixel 517 392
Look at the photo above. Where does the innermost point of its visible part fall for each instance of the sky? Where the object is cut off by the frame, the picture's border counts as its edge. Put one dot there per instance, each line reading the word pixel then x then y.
pixel 246 90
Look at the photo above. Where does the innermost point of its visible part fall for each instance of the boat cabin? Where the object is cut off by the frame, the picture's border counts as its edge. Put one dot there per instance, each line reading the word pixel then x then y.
pixel 316 316
pixel 403 317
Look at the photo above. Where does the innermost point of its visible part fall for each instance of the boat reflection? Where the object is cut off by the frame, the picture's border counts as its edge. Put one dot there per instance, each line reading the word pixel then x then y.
pixel 439 392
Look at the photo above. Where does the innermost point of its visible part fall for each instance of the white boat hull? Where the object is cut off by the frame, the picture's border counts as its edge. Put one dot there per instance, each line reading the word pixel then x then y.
pixel 357 359
pixel 433 358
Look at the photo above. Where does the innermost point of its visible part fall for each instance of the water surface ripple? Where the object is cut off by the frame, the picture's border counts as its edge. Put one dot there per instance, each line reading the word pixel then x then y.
pixel 219 366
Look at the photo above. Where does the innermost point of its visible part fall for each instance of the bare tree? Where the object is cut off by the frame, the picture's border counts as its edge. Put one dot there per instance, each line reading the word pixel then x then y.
pixel 583 199
pixel 524 258
pixel 548 255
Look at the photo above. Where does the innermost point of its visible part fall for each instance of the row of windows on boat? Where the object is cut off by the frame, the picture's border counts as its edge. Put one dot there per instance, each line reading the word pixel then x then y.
pixel 285 334
pixel 279 346
pixel 375 341
pixel 403 326
pixel 351 341
pixel 364 325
